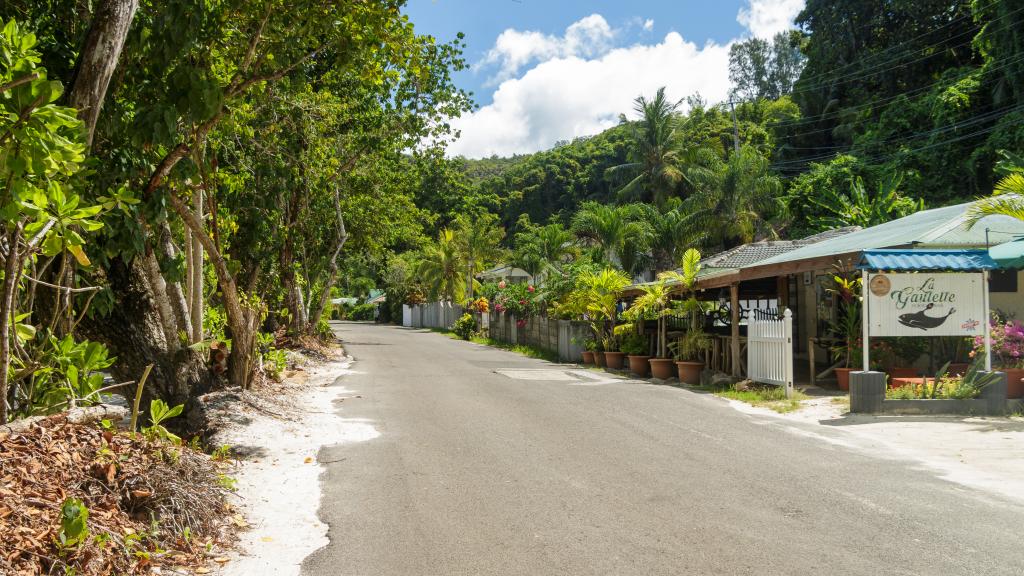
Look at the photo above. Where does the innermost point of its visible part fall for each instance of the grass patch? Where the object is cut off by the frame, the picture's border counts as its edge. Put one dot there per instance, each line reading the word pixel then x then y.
pixel 772 397
pixel 528 351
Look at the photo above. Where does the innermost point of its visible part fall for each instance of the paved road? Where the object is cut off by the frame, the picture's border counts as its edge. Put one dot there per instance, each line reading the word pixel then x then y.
pixel 477 472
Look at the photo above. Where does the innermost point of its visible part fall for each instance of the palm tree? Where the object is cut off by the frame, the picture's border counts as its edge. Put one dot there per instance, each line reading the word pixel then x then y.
pixel 440 268
pixel 1008 197
pixel 478 237
pixel 620 232
pixel 654 158
pixel 538 247
pixel 600 291
pixel 736 206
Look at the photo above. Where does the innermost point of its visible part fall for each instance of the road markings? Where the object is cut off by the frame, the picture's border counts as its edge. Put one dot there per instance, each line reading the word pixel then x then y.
pixel 575 377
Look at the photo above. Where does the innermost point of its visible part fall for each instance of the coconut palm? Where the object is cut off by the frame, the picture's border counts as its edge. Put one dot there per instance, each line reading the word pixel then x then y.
pixel 441 266
pixel 621 233
pixel 740 203
pixel 538 247
pixel 653 168
pixel 1008 196
pixel 479 239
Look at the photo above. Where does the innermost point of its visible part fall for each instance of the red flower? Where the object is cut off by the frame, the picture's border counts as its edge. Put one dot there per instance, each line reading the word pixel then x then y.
pixel 530 288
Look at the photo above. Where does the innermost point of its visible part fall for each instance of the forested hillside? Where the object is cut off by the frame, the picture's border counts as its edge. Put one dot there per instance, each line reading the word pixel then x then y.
pixel 923 89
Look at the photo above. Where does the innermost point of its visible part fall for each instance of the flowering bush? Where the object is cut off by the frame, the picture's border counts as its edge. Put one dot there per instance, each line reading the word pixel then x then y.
pixel 1007 344
pixel 518 299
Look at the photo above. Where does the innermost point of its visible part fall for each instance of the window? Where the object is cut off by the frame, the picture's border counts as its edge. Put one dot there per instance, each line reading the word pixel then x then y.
pixel 1002 281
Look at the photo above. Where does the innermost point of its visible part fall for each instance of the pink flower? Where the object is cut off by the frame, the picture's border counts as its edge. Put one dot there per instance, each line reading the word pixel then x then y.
pixel 501 285
pixel 530 288
pixel 522 302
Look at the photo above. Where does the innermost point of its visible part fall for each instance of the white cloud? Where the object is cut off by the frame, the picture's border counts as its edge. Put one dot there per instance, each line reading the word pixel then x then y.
pixel 765 18
pixel 587 37
pixel 570 95
pixel 648 25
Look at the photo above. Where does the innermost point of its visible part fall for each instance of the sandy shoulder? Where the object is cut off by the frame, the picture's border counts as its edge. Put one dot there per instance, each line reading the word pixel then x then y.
pixel 278 478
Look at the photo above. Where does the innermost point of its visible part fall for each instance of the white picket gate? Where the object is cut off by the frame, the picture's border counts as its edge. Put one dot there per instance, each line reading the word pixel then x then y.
pixel 770 351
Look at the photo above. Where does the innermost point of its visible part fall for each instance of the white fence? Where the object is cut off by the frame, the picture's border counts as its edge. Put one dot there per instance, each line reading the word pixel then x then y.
pixel 432 315
pixel 770 351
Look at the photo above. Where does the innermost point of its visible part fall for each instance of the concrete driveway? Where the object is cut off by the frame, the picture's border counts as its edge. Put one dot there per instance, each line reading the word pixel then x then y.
pixel 491 463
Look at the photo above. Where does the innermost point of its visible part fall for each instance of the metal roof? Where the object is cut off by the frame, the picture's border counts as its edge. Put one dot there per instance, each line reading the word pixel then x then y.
pixel 911 260
pixel 1009 254
pixel 939 227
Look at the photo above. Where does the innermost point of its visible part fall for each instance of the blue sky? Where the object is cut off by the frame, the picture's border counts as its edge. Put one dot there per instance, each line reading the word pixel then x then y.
pixel 549 71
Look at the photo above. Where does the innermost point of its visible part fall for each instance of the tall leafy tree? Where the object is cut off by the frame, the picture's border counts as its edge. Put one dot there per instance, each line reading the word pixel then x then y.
pixel 740 204
pixel 654 155
pixel 479 238
pixel 759 69
pixel 619 233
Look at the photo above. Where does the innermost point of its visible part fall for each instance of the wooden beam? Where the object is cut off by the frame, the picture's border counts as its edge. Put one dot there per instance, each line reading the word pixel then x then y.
pixel 734 340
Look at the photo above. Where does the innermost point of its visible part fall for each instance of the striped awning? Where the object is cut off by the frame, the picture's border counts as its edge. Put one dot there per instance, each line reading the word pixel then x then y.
pixel 910 260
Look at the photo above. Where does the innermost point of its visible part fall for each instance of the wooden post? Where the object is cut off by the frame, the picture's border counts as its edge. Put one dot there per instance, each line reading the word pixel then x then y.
pixel 810 360
pixel 734 305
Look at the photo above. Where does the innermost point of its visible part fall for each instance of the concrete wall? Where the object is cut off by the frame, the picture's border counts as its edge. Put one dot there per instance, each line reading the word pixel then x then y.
pixel 562 337
pixel 440 315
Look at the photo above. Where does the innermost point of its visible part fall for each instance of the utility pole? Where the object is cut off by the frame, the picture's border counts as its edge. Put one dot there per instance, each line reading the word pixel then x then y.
pixel 735 127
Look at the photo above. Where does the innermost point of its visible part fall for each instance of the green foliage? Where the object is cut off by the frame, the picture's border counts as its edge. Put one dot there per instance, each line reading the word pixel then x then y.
pixel 67 372
pixel 160 412
pixel 861 208
pixel 465 326
pixel 634 344
pixel 74 528
pixel 362 312
pixel 759 69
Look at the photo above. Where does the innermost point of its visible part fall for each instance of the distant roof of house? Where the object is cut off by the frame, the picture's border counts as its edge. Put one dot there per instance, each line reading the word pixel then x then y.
pixel 958 260
pixel 376 298
pixel 755 252
pixel 502 271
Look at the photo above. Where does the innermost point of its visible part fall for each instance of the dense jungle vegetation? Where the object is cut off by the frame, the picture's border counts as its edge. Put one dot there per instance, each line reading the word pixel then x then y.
pixel 180 174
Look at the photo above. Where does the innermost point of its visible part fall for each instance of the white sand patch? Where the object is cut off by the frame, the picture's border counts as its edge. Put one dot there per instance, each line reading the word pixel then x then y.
pixel 279 487
pixel 985 453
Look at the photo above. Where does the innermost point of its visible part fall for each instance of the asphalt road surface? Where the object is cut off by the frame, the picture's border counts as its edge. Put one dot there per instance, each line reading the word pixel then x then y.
pixel 492 463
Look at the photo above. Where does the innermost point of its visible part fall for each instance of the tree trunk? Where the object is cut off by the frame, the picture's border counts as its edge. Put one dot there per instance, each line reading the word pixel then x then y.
pixel 195 272
pixel 243 318
pixel 332 277
pixel 135 335
pixel 10 284
pixel 98 60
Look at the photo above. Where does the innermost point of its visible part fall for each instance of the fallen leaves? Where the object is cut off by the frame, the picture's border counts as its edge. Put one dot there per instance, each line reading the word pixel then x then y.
pixel 125 482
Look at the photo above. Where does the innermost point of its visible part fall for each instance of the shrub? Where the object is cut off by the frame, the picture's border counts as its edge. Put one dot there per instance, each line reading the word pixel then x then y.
pixel 634 344
pixel 362 312
pixel 465 327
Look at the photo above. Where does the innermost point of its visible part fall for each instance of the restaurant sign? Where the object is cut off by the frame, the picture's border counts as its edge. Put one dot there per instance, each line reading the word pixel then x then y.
pixel 922 304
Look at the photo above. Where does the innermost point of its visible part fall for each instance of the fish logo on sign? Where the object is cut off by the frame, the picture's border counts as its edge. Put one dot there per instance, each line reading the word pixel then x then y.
pixel 924 321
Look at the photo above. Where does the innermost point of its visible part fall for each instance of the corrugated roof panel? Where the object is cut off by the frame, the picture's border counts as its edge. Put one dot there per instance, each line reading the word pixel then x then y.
pixel 911 260
pixel 936 227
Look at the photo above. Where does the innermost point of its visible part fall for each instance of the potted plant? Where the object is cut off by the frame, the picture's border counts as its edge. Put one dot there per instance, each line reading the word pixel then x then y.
pixel 635 347
pixel 588 351
pixel 846 327
pixel 688 351
pixel 613 358
pixel 1007 353
pixel 898 355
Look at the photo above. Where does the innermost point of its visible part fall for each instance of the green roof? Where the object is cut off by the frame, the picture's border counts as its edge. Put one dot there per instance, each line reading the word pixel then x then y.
pixel 936 228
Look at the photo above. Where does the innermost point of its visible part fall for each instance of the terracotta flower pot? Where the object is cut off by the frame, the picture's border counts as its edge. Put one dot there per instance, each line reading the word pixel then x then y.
pixel 638 365
pixel 1014 385
pixel 613 360
pixel 903 372
pixel 599 359
pixel 843 377
pixel 689 372
pixel 588 357
pixel 662 368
